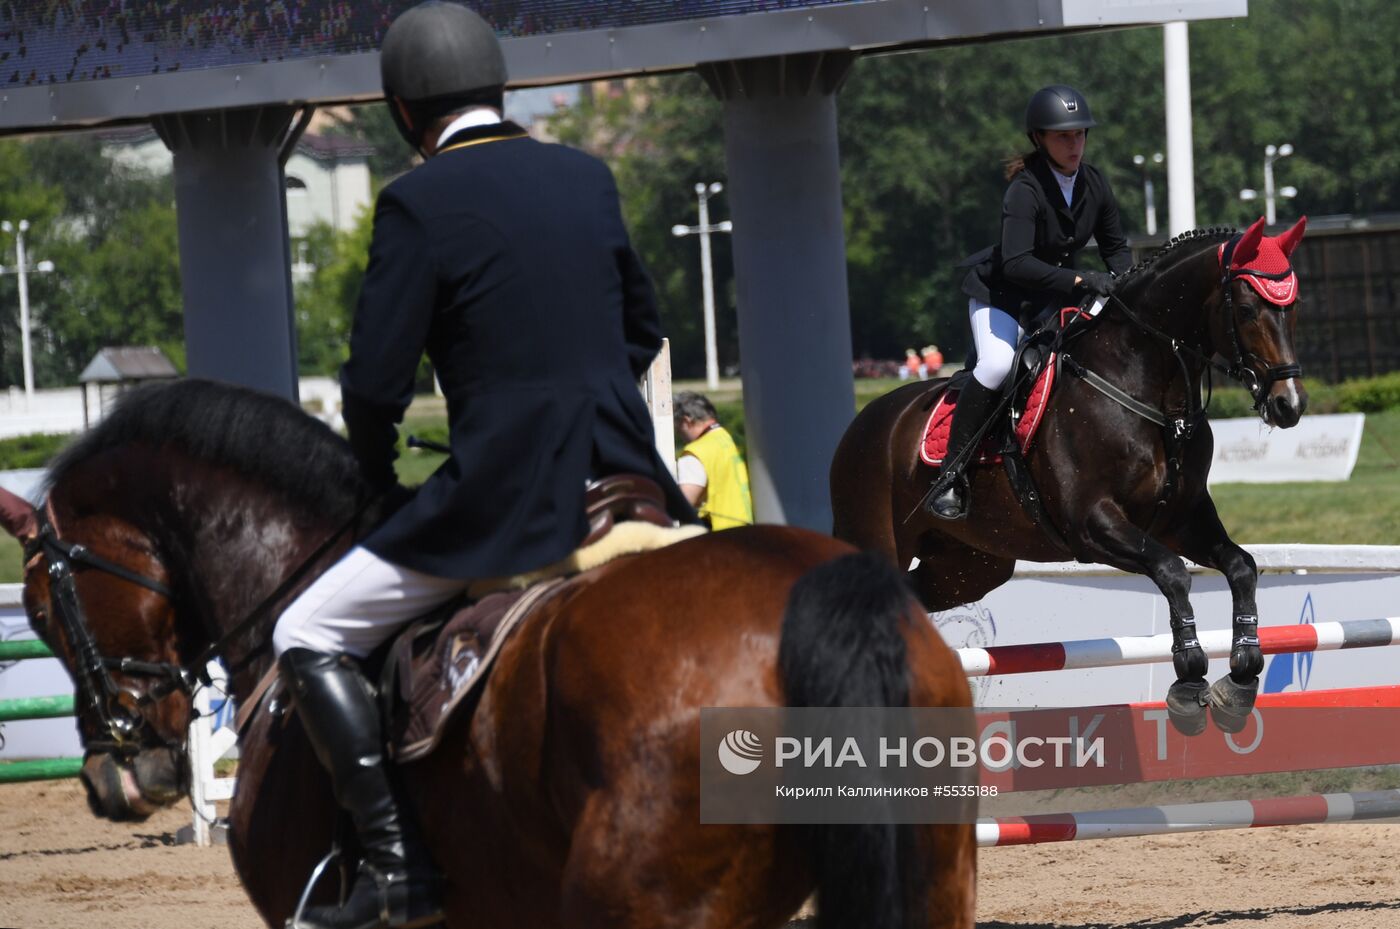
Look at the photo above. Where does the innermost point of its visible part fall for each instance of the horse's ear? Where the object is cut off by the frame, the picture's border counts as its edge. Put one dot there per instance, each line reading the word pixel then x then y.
pixel 18 516
pixel 1248 248
pixel 1290 239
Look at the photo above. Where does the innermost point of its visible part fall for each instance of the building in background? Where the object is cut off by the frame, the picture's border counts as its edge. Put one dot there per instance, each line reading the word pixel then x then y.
pixel 328 177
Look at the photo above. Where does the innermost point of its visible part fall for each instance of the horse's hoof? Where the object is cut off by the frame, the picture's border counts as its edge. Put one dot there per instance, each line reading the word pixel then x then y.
pixel 1186 706
pixel 1232 702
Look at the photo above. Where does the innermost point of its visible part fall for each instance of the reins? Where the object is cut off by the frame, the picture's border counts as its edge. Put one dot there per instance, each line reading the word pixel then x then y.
pixel 117 709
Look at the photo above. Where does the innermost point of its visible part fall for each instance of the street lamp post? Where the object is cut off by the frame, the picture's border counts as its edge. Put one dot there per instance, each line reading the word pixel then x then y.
pixel 1147 192
pixel 1271 154
pixel 704 192
pixel 21 271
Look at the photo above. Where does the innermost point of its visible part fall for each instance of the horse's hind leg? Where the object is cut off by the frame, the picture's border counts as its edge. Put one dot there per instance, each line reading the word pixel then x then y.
pixel 1203 539
pixel 1106 536
pixel 639 858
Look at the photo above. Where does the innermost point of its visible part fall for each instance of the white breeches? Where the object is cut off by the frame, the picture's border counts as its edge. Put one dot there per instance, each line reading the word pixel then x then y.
pixel 361 601
pixel 996 334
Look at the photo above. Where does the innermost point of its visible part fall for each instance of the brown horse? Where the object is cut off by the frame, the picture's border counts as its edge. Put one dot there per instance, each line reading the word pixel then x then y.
pixel 570 797
pixel 1114 486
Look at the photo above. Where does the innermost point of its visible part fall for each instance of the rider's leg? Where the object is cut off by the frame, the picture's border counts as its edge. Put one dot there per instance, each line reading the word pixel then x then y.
pixel 996 334
pixel 342 617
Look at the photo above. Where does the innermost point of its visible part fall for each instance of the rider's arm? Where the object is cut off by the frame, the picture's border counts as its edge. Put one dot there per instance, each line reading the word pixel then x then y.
pixel 1019 265
pixel 388 336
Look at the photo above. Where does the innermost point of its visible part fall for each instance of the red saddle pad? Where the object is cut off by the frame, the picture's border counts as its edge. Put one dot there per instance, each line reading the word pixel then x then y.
pixel 934 446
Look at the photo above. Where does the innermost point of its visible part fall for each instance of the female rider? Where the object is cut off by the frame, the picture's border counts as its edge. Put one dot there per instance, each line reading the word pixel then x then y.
pixel 1054 203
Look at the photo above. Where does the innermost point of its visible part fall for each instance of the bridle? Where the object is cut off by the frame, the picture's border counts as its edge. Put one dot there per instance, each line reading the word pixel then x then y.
pixel 121 711
pixel 1243 367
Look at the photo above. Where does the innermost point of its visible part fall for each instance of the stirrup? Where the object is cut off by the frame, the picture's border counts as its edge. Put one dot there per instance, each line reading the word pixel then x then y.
pixel 294 921
pixel 392 902
pixel 953 484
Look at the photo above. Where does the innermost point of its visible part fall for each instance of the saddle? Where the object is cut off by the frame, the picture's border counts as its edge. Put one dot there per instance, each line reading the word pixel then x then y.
pixel 1026 393
pixel 433 668
pixel 1028 386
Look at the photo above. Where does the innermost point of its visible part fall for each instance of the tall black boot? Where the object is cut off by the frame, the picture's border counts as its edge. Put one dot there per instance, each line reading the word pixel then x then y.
pixel 949 497
pixel 396 886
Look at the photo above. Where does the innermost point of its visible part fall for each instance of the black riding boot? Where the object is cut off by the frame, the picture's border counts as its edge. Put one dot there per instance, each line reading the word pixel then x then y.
pixel 948 499
pixel 396 885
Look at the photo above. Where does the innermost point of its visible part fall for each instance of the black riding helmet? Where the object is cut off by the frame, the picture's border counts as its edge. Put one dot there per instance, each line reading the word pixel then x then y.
pixel 439 58
pixel 1057 107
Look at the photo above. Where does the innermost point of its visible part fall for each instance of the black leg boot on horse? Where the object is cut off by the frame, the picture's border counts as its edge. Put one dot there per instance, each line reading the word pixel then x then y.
pixel 948 499
pixel 396 886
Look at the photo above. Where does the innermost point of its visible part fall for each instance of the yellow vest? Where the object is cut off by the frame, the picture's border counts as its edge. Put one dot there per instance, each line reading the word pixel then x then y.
pixel 727 502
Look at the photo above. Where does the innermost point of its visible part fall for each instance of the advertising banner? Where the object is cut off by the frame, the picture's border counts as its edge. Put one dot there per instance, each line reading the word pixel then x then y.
pixel 1319 448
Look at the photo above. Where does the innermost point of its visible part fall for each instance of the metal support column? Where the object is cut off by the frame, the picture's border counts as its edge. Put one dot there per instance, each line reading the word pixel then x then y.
pixel 235 261
pixel 790 274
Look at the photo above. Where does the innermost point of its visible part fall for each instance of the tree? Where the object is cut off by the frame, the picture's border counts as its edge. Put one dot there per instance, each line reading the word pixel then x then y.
pixel 371 123
pixel 325 304
pixel 122 288
pixel 662 136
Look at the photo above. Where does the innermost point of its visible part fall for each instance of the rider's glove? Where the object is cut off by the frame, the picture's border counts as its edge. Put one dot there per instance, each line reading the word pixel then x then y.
pixel 1099 283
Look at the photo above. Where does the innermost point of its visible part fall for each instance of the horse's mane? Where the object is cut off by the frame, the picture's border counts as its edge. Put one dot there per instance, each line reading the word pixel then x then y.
pixel 1175 248
pixel 263 438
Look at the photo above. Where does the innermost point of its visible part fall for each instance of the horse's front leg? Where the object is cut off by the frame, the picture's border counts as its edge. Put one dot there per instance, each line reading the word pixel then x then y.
pixel 1203 539
pixel 1104 534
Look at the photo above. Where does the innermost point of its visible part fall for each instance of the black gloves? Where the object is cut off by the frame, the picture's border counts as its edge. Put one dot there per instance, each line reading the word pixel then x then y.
pixel 1099 283
pixel 372 437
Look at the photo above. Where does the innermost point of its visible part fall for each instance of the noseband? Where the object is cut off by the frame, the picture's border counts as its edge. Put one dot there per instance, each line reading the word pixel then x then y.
pixel 1244 366
pixel 119 710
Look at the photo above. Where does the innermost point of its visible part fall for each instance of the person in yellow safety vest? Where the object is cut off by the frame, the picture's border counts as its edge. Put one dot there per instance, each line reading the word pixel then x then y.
pixel 710 470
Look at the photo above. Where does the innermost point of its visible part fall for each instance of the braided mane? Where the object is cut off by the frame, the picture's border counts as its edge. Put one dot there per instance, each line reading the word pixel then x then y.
pixel 1213 233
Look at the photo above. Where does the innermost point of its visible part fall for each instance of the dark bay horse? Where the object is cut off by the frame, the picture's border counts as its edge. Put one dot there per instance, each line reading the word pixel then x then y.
pixel 571 796
pixel 1115 487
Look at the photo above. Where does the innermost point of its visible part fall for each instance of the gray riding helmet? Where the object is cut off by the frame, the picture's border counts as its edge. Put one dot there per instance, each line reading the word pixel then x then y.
pixel 438 57
pixel 1056 107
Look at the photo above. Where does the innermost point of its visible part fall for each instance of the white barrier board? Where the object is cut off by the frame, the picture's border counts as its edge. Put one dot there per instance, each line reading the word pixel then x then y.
pixel 1319 448
pixel 1297 584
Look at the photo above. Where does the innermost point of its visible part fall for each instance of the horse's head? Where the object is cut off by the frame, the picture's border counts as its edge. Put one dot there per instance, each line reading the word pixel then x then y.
pixel 97 594
pixel 1255 326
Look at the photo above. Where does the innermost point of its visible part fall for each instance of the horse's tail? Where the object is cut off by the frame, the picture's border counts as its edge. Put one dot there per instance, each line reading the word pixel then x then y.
pixel 841 646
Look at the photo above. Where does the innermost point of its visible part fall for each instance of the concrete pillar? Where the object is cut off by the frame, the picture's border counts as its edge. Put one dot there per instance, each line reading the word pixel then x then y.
pixel 790 272
pixel 235 261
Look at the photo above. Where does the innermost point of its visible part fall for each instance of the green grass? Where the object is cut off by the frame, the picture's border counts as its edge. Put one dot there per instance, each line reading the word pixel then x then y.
pixel 11 561
pixel 427 419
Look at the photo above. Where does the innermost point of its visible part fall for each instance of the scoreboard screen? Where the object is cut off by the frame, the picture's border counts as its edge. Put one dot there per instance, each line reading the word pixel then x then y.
pixel 74 63
pixel 59 41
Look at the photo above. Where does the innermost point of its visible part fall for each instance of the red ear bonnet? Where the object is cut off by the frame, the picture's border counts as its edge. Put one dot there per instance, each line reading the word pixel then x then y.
pixel 1263 262
pixel 1290 239
pixel 1248 248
